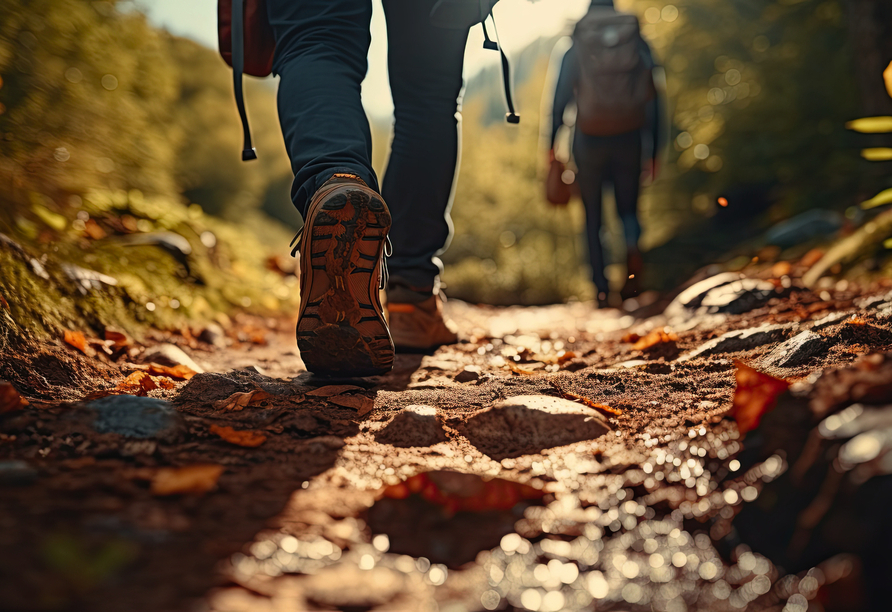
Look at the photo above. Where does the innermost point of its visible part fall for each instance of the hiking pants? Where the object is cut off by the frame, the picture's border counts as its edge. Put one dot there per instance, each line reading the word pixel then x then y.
pixel 321 51
pixel 608 159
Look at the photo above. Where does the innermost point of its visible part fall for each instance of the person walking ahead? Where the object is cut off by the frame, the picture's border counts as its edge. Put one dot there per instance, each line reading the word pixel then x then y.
pixel 609 72
pixel 321 50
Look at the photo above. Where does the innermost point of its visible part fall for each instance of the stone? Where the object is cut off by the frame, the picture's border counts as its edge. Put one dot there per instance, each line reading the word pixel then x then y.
pixel 739 340
pixel 830 320
pixel 413 426
pixel 15 472
pixel 214 335
pixel 470 373
pixel 527 424
pixel 136 417
pixel 738 297
pixel 170 355
pixel 796 351
pixel 690 299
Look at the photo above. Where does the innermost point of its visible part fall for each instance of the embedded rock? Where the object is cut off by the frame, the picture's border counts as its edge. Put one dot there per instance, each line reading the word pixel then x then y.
pixel 796 351
pixel 413 426
pixel 739 340
pixel 527 424
pixel 136 417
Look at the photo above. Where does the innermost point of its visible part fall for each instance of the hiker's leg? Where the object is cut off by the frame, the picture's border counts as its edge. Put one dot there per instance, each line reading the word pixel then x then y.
pixel 626 172
pixel 591 158
pixel 321 50
pixel 425 65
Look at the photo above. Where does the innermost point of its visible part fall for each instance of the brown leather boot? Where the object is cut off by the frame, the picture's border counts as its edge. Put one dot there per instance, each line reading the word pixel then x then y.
pixel 341 329
pixel 420 327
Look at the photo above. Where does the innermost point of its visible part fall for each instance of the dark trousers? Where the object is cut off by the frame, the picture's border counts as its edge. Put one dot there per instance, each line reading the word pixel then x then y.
pixel 321 49
pixel 615 160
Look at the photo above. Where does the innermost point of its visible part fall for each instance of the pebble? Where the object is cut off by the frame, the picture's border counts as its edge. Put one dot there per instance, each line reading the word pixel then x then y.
pixel 527 424
pixel 137 417
pixel 214 335
pixel 414 426
pixel 796 351
pixel 170 355
pixel 739 340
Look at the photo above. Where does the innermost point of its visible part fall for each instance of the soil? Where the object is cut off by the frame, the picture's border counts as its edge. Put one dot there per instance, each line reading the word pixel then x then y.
pixel 345 493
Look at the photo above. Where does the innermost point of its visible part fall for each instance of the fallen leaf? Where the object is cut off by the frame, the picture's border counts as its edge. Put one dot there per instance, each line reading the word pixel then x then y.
pixel 244 437
pixel 10 399
pixel 811 258
pixel 241 400
pixel 586 401
pixel 180 372
pixel 360 403
pixel 117 338
pixel 756 395
pixel 331 390
pixel 519 370
pixel 77 340
pixel 654 338
pixel 781 268
pixel 4 303
pixel 137 383
pixel 198 478
pixel 856 320
pixel 94 230
pixel 631 338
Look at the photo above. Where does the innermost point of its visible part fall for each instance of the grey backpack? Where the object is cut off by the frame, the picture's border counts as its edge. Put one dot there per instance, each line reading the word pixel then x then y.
pixel 615 76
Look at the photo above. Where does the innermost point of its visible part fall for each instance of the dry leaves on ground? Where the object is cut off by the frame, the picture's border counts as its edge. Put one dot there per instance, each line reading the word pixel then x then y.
pixel 654 338
pixel 519 370
pixel 10 399
pixel 77 340
pixel 756 395
pixel 244 437
pixel 330 390
pixel 362 404
pixel 180 372
pixel 199 478
pixel 587 402
pixel 241 400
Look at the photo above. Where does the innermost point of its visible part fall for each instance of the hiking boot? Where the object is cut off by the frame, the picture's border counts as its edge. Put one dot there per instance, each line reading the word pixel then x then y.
pixel 341 329
pixel 420 327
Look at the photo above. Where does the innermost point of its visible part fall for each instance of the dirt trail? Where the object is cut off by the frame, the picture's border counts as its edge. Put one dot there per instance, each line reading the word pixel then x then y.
pixel 387 493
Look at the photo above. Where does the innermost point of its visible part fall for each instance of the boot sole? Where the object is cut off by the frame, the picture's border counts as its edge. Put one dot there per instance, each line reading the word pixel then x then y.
pixel 341 331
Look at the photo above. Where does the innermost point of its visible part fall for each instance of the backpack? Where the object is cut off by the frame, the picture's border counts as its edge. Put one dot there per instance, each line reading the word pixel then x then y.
pixel 615 79
pixel 248 45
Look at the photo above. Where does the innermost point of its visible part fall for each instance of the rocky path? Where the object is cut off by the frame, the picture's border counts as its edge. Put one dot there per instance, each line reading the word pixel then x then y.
pixel 559 458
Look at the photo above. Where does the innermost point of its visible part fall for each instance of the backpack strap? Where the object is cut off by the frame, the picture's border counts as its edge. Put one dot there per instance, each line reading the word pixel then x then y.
pixel 238 68
pixel 488 43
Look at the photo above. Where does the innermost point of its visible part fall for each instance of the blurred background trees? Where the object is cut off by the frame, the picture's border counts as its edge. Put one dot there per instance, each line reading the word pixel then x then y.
pixel 93 97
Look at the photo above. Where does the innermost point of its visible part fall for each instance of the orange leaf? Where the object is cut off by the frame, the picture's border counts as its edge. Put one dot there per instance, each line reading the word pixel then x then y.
pixel 755 396
pixel 250 439
pixel 199 478
pixel 586 401
pixel 330 390
pixel 360 403
pixel 657 336
pixel 138 383
pixel 180 371
pixel 631 338
pixel 10 399
pixel 240 401
pixel 457 492
pixel 77 340
pixel 117 337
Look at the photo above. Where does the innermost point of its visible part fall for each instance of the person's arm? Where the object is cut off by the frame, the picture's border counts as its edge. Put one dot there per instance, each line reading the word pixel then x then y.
pixel 653 125
pixel 563 91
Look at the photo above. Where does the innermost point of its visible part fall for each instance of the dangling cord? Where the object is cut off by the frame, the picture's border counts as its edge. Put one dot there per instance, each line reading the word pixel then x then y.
pixel 238 67
pixel 488 43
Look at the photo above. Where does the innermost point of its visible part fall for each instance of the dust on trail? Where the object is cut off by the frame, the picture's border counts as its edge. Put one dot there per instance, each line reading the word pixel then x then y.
pixel 387 493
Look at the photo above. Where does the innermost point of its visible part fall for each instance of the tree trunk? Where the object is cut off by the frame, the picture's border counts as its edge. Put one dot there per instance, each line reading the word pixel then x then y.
pixel 870 29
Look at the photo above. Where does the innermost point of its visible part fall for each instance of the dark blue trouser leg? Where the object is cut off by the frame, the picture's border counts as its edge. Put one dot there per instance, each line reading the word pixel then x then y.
pixel 425 65
pixel 321 51
pixel 614 159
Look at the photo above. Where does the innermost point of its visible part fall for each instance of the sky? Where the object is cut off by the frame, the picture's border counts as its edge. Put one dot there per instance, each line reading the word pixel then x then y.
pixel 519 23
